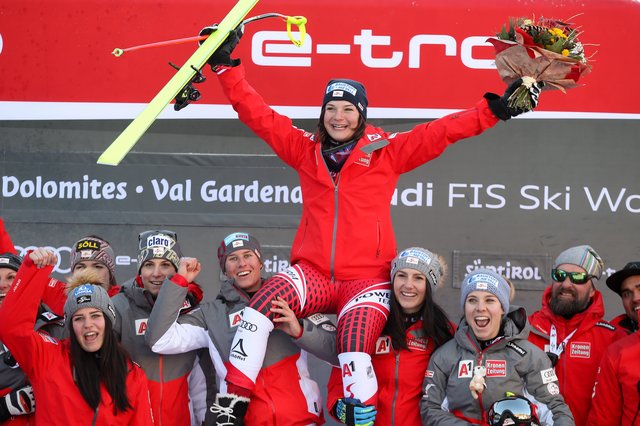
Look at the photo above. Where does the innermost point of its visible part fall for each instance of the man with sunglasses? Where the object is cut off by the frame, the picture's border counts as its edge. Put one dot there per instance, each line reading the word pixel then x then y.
pixel 570 326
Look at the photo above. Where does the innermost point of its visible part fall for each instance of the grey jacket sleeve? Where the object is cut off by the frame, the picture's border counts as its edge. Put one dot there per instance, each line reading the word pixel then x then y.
pixel 165 334
pixel 433 406
pixel 319 338
pixel 541 384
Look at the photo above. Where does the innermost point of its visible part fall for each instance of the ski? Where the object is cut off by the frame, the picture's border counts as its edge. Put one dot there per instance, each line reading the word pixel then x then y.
pixel 119 148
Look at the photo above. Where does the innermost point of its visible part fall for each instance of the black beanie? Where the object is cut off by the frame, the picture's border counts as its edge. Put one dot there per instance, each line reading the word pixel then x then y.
pixel 347 90
pixel 11 261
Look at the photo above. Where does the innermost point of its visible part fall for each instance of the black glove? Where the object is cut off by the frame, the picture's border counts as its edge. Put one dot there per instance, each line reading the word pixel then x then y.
pixel 18 402
pixel 500 105
pixel 222 55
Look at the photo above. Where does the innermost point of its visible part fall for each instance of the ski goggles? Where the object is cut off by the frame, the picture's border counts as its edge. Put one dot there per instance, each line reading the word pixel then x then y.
pixel 514 410
pixel 559 275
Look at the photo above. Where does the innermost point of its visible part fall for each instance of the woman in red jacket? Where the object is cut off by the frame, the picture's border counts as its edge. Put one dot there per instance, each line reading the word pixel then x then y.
pixel 340 256
pixel 416 327
pixel 86 379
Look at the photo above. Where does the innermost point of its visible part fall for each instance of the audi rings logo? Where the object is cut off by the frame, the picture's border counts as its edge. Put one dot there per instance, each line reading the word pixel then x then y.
pixel 248 326
pixel 63 266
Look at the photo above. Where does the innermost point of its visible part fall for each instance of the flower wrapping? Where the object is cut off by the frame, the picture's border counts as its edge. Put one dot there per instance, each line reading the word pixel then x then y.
pixel 527 50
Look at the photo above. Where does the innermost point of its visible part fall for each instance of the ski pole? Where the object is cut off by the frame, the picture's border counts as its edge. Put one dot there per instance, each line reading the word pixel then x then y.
pixel 298 21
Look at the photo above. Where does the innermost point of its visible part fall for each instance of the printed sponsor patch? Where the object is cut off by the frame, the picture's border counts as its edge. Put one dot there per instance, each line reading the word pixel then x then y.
pixel 235 318
pixel 465 368
pixel 482 281
pixel 83 290
pixel 365 160
pixel 90 245
pixel 83 299
pixel 328 327
pixel 47 338
pixel 580 350
pixel 417 343
pixel 383 345
pixel 318 319
pixel 374 137
pixel 606 325
pixel 428 374
pixel 553 388
pixel 414 255
pixel 517 348
pixel 236 236
pixel 548 376
pixel 340 86
pixel 237 243
pixel 49 315
pixel 496 368
pixel 86 254
pixel 370 373
pixel 4 260
pixel 159 240
pixel 141 326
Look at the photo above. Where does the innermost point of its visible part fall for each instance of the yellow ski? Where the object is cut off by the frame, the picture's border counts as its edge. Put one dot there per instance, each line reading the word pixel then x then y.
pixel 130 136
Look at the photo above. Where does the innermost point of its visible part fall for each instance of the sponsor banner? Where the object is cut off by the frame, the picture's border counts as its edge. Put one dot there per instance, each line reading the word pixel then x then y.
pixel 527 271
pixel 417 59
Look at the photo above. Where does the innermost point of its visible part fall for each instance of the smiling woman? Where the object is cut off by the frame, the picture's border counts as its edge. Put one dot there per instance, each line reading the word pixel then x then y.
pixel 488 357
pixel 97 377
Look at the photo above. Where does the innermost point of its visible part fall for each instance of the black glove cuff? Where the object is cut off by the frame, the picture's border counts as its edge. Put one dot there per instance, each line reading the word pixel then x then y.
pixel 497 106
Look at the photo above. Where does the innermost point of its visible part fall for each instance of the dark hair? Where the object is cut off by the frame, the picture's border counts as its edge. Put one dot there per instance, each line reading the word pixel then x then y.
pixel 109 366
pixel 323 135
pixel 435 323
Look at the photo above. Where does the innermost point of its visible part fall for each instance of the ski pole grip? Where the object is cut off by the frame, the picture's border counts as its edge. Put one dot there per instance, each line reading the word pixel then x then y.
pixel 300 22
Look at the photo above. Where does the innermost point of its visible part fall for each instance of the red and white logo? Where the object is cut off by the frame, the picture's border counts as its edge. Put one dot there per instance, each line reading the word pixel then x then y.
pixel 235 318
pixel 465 368
pixel 383 345
pixel 141 326
pixel 496 368
pixel 580 350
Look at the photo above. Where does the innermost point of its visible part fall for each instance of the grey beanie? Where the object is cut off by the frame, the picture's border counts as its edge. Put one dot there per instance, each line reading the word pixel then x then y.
pixel 89 296
pixel 159 245
pixel 483 279
pixel 583 256
pixel 421 260
pixel 347 90
pixel 95 248
pixel 10 261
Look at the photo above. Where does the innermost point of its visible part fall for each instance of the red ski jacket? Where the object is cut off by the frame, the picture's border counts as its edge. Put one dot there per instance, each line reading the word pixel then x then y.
pixel 345 230
pixel 578 364
pixel 400 374
pixel 616 400
pixel 47 363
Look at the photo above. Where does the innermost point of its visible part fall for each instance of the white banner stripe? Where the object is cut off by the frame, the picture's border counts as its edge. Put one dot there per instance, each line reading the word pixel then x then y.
pixel 10 110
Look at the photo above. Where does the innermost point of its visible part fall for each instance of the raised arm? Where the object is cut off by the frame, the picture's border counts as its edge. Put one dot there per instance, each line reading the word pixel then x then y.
pixel 166 334
pixel 20 307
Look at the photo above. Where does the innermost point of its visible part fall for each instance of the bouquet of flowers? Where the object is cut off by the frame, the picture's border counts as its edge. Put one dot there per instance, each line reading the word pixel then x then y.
pixel 546 50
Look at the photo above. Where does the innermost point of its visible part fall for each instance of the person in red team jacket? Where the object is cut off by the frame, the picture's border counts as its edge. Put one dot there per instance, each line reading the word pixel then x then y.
pixel 86 379
pixel 570 327
pixel 345 242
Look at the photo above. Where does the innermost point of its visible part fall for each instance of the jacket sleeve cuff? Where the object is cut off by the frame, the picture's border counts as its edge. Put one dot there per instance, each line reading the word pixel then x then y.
pixel 179 280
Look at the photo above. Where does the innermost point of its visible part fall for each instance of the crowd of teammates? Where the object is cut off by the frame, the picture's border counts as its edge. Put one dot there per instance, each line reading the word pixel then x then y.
pixel 149 352
pixel 563 364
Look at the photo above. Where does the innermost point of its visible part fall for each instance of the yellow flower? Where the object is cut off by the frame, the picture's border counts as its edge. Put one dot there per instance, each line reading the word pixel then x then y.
pixel 565 52
pixel 557 32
